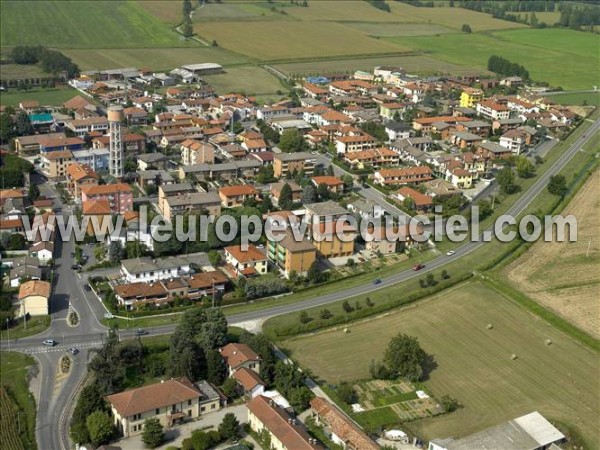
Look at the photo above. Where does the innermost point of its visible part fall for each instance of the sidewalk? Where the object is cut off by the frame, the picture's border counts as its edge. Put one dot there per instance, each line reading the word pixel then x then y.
pixel 176 435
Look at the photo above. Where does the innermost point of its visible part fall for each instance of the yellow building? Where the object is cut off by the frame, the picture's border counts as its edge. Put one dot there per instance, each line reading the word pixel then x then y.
pixel 292 255
pixel 54 164
pixel 169 401
pixel 329 232
pixel 33 298
pixel 470 97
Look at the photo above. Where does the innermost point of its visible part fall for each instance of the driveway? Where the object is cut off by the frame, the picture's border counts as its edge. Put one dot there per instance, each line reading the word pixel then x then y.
pixel 176 435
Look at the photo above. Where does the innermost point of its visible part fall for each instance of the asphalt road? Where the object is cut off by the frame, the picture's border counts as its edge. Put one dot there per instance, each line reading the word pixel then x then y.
pixel 56 395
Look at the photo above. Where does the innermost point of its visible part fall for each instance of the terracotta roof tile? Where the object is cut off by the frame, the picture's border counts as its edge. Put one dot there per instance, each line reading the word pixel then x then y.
pixel 237 354
pixel 34 287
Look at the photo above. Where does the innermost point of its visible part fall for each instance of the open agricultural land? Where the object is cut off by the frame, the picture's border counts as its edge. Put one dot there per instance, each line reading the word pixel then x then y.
pixel 573 66
pixel 576 98
pixel 83 24
pixel 473 362
pixel 248 79
pixel 565 276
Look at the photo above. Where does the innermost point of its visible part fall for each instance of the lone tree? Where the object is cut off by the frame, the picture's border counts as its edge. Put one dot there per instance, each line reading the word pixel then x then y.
pixel 524 167
pixel 404 357
pixel 285 197
pixel 100 427
pixel 153 433
pixel 506 180
pixel 558 185
pixel 229 427
pixel 466 28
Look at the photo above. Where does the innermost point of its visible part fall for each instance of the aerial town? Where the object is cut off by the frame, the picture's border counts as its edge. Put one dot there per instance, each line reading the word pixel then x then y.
pixel 405 315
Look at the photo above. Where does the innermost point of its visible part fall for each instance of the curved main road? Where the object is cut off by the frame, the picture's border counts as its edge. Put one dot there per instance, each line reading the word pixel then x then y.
pixel 51 430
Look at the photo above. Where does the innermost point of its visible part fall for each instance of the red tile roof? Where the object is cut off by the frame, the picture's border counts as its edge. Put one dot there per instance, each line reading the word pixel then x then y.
pixel 237 354
pixel 232 191
pixel 106 189
pixel 248 378
pixel 153 396
pixel 34 287
pixel 250 255
pixel 96 208
pixel 292 435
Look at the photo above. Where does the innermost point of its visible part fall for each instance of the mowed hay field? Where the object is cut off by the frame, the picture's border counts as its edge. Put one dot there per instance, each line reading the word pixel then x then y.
pixel 473 363
pixel 155 58
pixel 410 63
pixel 564 276
pixel 83 24
pixel 399 29
pixel 169 11
pixel 572 56
pixel 251 80
pixel 289 40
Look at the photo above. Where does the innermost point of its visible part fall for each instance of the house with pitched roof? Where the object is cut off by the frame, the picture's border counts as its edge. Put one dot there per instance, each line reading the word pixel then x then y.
pixel 340 428
pixel 34 298
pixel 247 263
pixel 250 382
pixel 238 355
pixel 169 401
pixel 119 196
pixel 79 176
pixel 234 196
pixel 285 431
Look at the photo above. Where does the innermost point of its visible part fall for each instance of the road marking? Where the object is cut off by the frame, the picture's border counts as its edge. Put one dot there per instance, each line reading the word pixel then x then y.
pixel 37 350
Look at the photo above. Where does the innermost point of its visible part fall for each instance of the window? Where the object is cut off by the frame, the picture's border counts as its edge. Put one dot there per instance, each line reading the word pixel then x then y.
pixel 202 409
pixel 157 411
pixel 190 402
pixel 213 406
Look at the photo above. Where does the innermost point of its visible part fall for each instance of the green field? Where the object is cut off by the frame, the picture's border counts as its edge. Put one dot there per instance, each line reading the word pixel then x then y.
pixel 251 80
pixel 168 11
pixel 473 363
pixel 592 98
pixel 19 71
pixel 289 40
pixel 155 58
pixel 242 11
pixel 83 24
pixel 561 57
pixel 411 63
pixel 46 97
pixel 14 368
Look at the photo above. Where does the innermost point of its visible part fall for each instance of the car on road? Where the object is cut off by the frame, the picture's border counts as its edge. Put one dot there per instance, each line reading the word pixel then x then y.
pixel 377 281
pixel 140 332
pixel 75 267
pixel 418 267
pixel 49 342
pixel 87 287
pixel 450 253
pixel 327 155
pixel 73 350
pixel 365 186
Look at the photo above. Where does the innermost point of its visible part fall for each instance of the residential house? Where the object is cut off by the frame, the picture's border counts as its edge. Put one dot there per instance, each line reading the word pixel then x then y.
pixel 248 262
pixel 80 176
pixel 426 124
pixel 206 284
pixel 119 195
pixel 493 150
pixel 43 250
pixel 23 269
pixel 478 127
pixel 330 232
pixel 196 152
pixel 285 432
pixel 30 145
pixel 423 203
pixel 469 97
pixel 169 401
pixel 339 427
pixel 148 161
pixel 97 159
pixel 492 110
pixel 34 298
pixel 291 163
pixel 81 127
pixel 354 142
pixel 292 255
pixel 375 157
pixel 154 178
pixel 54 164
pixel 250 382
pixel 98 215
pixel 460 178
pixel 276 191
pixel 146 269
pixel 61 144
pixel 208 203
pixel 234 196
pixel 238 355
pixel 398 130
pixel 135 116
pixel 440 187
pixel 464 139
pixel 173 190
pixel 333 184
pixel 366 209
pixel 518 139
pixel 412 175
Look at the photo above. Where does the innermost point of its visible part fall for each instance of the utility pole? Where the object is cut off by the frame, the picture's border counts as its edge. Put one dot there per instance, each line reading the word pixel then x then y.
pixel 8 331
pixel 588 249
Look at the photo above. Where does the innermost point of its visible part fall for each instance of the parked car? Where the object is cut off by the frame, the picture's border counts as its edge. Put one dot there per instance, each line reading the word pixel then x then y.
pixel 49 342
pixel 140 332
pixel 75 267
pixel 87 287
pixel 377 281
pixel 418 267
pixel 73 350
pixel 450 253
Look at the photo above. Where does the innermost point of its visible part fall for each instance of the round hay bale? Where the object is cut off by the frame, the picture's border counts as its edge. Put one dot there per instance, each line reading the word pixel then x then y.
pixel 513 356
pixel 346 330
pixel 548 342
pixel 490 326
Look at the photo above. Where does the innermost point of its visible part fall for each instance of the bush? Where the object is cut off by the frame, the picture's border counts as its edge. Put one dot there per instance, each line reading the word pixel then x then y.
pixel 153 433
pixel 304 318
pixel 449 403
pixel 347 393
pixel 326 314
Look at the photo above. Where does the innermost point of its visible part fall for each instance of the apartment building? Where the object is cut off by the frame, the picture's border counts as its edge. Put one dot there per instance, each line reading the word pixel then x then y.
pixel 54 164
pixel 119 196
pixel 196 152
pixel 412 175
pixel 284 163
pixel 247 263
pixel 80 176
pixel 192 203
pixel 292 255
